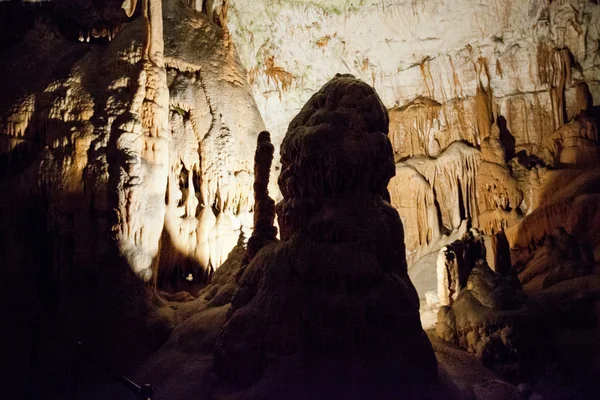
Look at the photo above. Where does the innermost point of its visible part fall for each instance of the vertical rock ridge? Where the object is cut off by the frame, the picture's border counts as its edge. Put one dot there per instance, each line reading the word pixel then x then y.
pixel 264 231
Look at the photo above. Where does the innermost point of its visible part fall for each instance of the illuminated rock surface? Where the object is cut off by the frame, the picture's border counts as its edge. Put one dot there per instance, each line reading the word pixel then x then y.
pixel 143 126
pixel 454 265
pixel 126 173
pixel 512 80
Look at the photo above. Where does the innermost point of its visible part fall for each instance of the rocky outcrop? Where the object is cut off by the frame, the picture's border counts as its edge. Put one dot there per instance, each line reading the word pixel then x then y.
pixel 336 285
pixel 455 263
pixel 572 205
pixel 496 322
pixel 561 257
pixel 569 258
pixel 456 260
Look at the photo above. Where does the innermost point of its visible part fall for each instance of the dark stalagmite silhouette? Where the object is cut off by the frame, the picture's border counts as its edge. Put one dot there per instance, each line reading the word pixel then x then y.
pixel 330 311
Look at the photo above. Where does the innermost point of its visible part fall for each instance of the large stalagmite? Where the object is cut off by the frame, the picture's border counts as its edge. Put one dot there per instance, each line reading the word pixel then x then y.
pixel 264 230
pixel 336 285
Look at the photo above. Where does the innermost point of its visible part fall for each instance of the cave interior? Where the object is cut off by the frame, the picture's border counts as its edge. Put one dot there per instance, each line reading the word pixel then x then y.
pixel 293 199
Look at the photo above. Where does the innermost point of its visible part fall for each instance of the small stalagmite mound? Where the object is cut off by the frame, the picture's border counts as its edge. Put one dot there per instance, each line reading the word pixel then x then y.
pixel 498 323
pixel 329 311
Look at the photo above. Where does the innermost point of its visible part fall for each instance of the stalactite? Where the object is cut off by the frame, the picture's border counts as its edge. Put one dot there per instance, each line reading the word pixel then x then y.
pixel 496 188
pixel 141 210
pixel 414 199
pixel 554 69
pixel 483 112
pixel 17 120
pixel 452 177
pixel 413 127
pixel 129 7
pixel 219 187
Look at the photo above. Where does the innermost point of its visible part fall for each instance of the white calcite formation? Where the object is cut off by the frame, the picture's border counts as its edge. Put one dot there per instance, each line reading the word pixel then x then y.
pixel 431 55
pixel 149 137
pixel 215 124
pixel 483 97
pixel 483 115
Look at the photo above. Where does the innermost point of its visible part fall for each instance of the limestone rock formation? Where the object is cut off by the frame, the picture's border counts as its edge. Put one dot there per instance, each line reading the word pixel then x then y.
pixel 482 110
pixel 417 206
pixel 562 257
pixel 495 321
pixel 481 118
pixel 452 175
pixel 573 205
pixel 209 97
pixel 570 259
pixel 143 135
pixel 499 197
pixel 574 144
pixel 127 137
pixel 456 260
pixel 455 263
pixel 336 285
pixel 264 231
pixel 497 253
pixel 518 54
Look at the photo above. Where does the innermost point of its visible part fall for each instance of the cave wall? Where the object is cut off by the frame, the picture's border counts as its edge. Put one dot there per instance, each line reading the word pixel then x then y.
pixel 487 117
pixel 487 100
pixel 127 142
pixel 406 49
pixel 141 132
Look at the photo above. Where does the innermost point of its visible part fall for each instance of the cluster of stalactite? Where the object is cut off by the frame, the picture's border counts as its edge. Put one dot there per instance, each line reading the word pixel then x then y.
pixel 139 138
pixel 483 160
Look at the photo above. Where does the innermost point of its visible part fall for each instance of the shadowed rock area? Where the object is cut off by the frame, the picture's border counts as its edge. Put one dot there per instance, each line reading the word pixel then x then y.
pixel 335 290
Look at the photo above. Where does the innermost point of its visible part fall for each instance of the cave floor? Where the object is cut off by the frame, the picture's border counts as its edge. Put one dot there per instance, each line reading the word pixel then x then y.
pixel 464 377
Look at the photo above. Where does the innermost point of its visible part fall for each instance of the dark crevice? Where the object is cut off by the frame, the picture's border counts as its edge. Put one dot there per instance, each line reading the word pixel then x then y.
pixel 73 19
pixel 506 138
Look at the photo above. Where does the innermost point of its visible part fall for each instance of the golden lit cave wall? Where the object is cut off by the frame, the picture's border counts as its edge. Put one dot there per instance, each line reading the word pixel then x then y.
pixel 110 138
